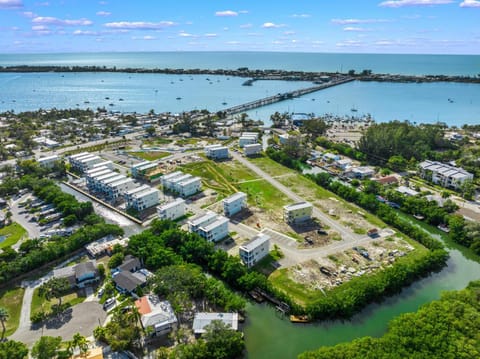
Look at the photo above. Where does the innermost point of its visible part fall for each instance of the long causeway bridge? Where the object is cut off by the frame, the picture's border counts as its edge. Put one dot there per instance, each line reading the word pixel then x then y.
pixel 285 96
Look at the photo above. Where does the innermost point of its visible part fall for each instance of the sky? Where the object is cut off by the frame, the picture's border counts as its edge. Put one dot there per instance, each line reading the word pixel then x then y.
pixel 351 26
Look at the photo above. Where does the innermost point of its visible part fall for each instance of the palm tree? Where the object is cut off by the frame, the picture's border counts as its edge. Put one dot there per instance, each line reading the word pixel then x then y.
pixel 81 342
pixel 3 318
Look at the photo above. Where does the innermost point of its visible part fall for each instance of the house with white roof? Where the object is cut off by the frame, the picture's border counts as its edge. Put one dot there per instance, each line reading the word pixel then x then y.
pixel 210 226
pixel 118 189
pixel 444 175
pixel 253 149
pixel 217 152
pixel 189 187
pixel 156 314
pixel 254 250
pixel 234 204
pixel 141 200
pixel 48 162
pixel 172 210
pixel 201 320
pixel 297 212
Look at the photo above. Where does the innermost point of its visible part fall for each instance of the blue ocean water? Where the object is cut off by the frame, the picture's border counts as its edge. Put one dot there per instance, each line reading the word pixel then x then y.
pixel 421 103
pixel 379 63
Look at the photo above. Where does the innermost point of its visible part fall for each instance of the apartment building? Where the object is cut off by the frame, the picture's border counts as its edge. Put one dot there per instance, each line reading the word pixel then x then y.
pixel 216 152
pixel 189 187
pixel 172 210
pixel 234 204
pixel 48 162
pixel 255 249
pixel 142 200
pixel 297 212
pixel 253 149
pixel 444 175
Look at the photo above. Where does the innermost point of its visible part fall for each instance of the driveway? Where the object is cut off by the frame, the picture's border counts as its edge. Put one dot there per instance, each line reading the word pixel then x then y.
pixel 82 318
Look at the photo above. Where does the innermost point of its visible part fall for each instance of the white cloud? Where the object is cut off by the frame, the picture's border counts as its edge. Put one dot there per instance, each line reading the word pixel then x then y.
pixel 146 37
pixel 11 4
pixel 29 14
pixel 226 13
pixel 139 25
pixel 288 33
pixel 39 28
pixel 354 29
pixel 357 21
pixel 401 3
pixel 85 33
pixel 184 34
pixel 470 3
pixel 104 13
pixel 210 35
pixel 271 25
pixel 301 16
pixel 246 26
pixel 349 43
pixel 60 22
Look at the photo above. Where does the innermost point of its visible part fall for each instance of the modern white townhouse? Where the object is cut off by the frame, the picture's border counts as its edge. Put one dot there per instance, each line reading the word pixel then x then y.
pixel 253 149
pixel 144 199
pixel 118 189
pixel 48 162
pixel 297 212
pixel 444 175
pixel 254 250
pixel 189 187
pixel 217 152
pixel 246 140
pixel 234 204
pixel 172 210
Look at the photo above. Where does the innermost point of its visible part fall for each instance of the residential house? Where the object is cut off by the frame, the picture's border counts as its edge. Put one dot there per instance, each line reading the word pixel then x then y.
pixel 210 226
pixel 253 149
pixel 189 187
pixel 407 191
pixel 145 199
pixel 362 172
pixel 201 320
pixel 444 175
pixel 48 162
pixel 387 180
pixel 255 249
pixel 172 210
pixel 297 212
pixel 128 282
pixel 217 152
pixel 343 164
pixel 118 189
pixel 156 314
pixel 79 275
pixel 246 140
pixel 234 204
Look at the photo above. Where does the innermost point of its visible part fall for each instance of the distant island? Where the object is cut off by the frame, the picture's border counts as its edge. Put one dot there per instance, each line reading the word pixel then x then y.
pixel 269 74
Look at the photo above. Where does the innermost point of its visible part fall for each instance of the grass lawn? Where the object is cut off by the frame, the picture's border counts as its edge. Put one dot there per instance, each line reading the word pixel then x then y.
pixel 263 195
pixel 13 232
pixel 297 291
pixel 309 190
pixel 158 141
pixel 151 155
pixel 11 299
pixel 39 303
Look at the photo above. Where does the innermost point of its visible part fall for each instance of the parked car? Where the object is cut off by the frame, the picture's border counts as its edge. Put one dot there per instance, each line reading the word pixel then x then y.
pixel 108 303
pixel 100 292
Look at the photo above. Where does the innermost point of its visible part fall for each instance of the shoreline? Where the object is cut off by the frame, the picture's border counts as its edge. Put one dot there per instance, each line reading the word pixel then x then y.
pixel 253 75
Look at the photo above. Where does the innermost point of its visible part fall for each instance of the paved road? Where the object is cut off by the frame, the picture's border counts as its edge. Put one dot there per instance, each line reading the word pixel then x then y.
pixel 32 228
pixel 345 232
pixel 82 318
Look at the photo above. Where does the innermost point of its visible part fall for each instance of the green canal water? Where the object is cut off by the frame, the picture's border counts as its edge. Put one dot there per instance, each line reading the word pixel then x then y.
pixel 270 335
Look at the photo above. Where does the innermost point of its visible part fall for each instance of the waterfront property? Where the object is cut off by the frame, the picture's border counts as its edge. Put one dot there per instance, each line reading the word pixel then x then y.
pixel 217 152
pixel 253 149
pixel 255 249
pixel 48 162
pixel 444 175
pixel 146 198
pixel 201 320
pixel 234 204
pixel 104 246
pixel 210 226
pixel 156 314
pixel 297 212
pixel 128 196
pixel 172 210
pixel 118 188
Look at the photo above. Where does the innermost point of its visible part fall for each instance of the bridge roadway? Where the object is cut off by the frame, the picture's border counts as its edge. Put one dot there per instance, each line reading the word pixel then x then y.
pixel 280 97
pixel 285 96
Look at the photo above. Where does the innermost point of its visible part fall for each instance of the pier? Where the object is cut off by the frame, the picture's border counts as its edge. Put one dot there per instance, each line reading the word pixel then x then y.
pixel 285 96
